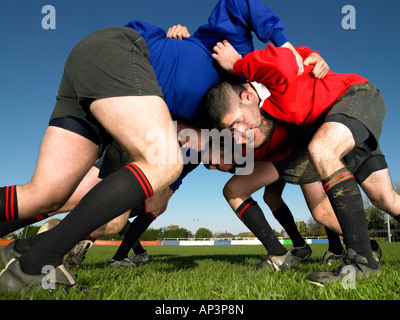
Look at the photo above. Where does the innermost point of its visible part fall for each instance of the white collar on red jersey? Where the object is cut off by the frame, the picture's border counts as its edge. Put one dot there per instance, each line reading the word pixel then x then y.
pixel 262 91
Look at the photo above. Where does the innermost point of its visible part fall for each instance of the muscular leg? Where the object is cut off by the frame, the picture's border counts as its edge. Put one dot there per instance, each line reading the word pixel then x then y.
pixel 322 211
pixel 129 122
pixel 240 187
pixel 320 207
pixel 238 193
pixel 281 212
pixel 273 194
pixel 133 134
pixel 384 197
pixel 329 145
pixel 57 172
pixel 87 183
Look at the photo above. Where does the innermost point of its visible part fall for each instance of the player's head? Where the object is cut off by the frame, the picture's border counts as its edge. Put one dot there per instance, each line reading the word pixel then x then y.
pixel 220 155
pixel 232 106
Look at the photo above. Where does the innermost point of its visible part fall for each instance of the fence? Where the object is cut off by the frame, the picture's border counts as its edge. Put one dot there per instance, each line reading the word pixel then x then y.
pixel 231 241
pixel 382 235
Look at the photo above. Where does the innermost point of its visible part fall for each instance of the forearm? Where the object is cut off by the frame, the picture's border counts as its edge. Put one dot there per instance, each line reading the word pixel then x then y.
pixel 270 66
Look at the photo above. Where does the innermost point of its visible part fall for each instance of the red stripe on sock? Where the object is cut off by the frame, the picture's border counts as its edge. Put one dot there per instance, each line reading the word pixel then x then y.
pixel 151 215
pixel 148 190
pixel 244 209
pixel 144 179
pixel 140 181
pixel 12 202
pixel 334 179
pixel 7 205
pixel 333 182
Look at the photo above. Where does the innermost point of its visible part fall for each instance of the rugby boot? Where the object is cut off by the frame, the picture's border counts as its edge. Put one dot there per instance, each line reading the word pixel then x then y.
pixel 9 252
pixel 13 279
pixel 352 263
pixel 125 263
pixel 78 253
pixel 376 250
pixel 330 257
pixel 277 263
pixel 140 257
pixel 301 253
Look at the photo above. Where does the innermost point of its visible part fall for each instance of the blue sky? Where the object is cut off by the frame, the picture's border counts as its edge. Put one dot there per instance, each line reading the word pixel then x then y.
pixel 32 60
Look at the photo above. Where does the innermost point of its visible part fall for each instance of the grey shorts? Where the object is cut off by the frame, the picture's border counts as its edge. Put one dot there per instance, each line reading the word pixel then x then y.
pixel 110 62
pixel 298 168
pixel 362 104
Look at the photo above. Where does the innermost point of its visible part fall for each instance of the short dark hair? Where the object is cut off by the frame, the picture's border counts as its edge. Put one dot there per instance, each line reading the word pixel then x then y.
pixel 220 98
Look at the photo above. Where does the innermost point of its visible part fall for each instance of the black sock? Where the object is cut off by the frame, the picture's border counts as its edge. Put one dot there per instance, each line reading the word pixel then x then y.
pixel 346 200
pixel 397 218
pixel 23 245
pixel 335 245
pixel 137 227
pixel 11 226
pixel 138 248
pixel 285 218
pixel 253 217
pixel 8 204
pixel 125 229
pixel 116 194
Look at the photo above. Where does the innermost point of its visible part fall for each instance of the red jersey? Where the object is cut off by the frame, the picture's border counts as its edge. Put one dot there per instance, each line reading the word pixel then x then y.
pixel 302 100
pixel 283 141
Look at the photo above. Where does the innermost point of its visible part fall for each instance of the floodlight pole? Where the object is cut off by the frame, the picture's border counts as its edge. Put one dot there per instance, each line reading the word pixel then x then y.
pixel 388 228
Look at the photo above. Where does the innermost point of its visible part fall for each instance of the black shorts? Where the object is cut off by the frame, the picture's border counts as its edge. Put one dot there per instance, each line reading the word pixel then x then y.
pixel 111 62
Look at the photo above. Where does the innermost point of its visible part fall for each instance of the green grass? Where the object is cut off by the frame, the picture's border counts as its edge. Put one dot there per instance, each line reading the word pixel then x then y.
pixel 215 273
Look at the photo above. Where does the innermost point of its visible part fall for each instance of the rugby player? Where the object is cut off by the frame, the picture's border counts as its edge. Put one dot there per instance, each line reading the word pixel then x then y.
pixel 344 138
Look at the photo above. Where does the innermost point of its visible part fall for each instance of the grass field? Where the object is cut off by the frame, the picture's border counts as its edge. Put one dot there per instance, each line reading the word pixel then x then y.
pixel 215 273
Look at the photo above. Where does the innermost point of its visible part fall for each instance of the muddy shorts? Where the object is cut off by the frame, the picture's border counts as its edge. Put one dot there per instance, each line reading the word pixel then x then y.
pixel 362 109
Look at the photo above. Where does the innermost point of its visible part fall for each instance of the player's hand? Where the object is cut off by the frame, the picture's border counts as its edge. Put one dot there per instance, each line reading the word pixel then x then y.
pixel 178 32
pixel 225 55
pixel 321 68
pixel 299 59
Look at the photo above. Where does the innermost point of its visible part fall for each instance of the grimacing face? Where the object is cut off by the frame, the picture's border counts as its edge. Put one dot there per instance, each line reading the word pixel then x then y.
pixel 223 161
pixel 243 119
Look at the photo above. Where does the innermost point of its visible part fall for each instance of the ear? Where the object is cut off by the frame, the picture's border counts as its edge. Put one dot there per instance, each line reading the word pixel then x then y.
pixel 246 96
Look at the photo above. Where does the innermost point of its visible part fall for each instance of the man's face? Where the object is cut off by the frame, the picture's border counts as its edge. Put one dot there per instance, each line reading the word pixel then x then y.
pixel 223 161
pixel 243 121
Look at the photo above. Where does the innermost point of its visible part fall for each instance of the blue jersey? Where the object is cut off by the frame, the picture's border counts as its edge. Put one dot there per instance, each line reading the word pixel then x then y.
pixel 185 69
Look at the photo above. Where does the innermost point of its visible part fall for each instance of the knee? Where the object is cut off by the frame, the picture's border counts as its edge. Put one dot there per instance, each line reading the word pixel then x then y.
pixel 53 203
pixel 176 170
pixel 273 201
pixel 230 191
pixel 318 153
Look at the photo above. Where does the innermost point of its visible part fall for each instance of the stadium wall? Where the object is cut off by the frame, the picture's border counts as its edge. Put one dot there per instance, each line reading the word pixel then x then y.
pixel 229 242
pixel 191 242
